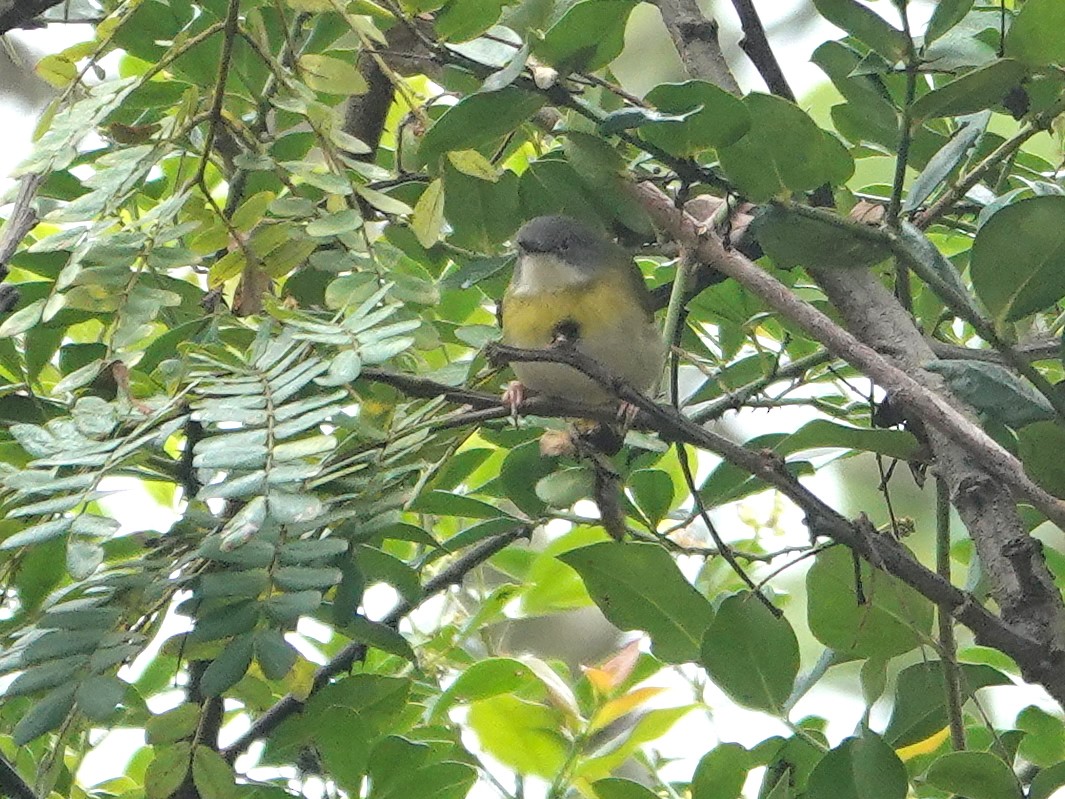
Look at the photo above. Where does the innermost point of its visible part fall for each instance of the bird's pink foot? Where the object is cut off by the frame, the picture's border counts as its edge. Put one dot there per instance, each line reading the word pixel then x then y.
pixel 514 396
pixel 627 413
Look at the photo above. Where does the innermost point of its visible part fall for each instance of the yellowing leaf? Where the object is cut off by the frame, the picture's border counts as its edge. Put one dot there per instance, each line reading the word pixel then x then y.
pixel 57 70
pixel 616 670
pixel 472 163
pixel 428 219
pixel 929 744
pixel 324 73
pixel 616 708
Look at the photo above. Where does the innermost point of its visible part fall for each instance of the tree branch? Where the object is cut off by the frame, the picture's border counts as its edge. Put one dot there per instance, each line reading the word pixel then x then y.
pixel 1044 665
pixel 904 390
pixel 355 652
pixel 756 45
pixel 695 37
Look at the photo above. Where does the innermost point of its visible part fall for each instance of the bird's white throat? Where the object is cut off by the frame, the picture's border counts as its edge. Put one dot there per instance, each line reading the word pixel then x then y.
pixel 541 273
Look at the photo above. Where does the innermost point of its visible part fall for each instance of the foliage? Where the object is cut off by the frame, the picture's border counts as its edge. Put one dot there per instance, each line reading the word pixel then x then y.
pixel 257 484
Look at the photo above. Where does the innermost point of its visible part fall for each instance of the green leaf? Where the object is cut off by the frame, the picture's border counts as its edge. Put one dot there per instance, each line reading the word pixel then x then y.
pixel 478 119
pixel 859 768
pixel 380 636
pixel 564 488
pixel 752 655
pixel 331 75
pixel 461 20
pixel 1040 446
pixel 639 587
pixel 975 91
pixel 974 775
pixel 45 715
pixel 866 26
pixel 1018 258
pixel 274 654
pixel 721 772
pixel 167 770
pixel 1034 37
pixel 893 619
pixel 1047 781
pixel 783 151
pixel 484 679
pixel 98 696
pixel 710 117
pixel 227 669
pixel 523 735
pixel 653 491
pixel 567 45
pixel 994 390
pixel 920 699
pixel 618 788
pixel 946 159
pixel 946 15
pixel 793 239
pixel 173 725
pixel 428 218
pixel 22 320
pixel 401 769
pixel 1044 740
pixel 213 776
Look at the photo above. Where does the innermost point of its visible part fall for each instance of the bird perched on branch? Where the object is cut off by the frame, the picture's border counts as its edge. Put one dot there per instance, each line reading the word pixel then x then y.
pixel 573 286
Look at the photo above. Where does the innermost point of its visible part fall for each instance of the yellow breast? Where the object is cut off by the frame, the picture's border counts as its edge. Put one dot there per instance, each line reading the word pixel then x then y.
pixel 609 323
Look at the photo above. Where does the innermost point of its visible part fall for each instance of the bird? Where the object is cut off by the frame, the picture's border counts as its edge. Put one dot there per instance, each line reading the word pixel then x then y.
pixel 574 286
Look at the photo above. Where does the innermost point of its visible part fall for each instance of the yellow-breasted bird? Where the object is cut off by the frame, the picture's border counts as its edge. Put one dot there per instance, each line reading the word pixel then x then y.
pixel 573 284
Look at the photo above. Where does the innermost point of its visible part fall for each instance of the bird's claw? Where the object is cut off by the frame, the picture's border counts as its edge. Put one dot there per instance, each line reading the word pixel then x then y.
pixel 514 396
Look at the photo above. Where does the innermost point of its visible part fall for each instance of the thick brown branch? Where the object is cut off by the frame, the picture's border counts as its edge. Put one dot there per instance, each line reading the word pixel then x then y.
pixel 1039 664
pixel 904 390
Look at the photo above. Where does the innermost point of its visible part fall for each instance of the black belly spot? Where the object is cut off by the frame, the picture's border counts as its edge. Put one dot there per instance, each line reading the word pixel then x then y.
pixel 566 330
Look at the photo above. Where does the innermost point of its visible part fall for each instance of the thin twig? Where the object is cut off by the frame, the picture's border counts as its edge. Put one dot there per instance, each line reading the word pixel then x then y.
pixel 947 644
pixel 756 45
pixel 355 652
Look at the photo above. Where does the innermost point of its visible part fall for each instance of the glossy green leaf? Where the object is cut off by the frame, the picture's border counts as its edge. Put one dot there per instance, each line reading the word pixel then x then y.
pixel 167 770
pixel 859 768
pixel 173 725
pixel 523 735
pixel 784 151
pixel 893 619
pixel 793 239
pixel 994 390
pixel 1033 36
pixel 703 116
pixel 973 92
pixel 45 715
pixel 225 670
pixel 1018 258
pixel 618 788
pixel 946 15
pixel 975 775
pixel 212 775
pixel 477 120
pixel 638 586
pixel 99 695
pixel 484 679
pixel 721 772
pixel 921 703
pixel 752 655
pixel 566 44
pixel 866 26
